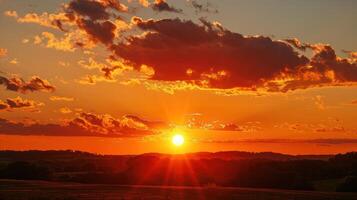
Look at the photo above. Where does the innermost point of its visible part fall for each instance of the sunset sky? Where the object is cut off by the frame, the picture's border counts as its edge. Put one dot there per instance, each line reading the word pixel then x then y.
pixel 122 77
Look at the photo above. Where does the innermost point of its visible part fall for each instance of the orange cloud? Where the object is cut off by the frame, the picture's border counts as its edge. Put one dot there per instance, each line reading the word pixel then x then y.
pixel 319 102
pixel 65 110
pixel 59 98
pixel 45 19
pixel 3 52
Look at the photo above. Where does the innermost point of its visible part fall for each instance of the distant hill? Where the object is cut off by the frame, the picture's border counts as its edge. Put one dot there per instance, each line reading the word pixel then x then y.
pixel 227 168
pixel 242 155
pixel 8 155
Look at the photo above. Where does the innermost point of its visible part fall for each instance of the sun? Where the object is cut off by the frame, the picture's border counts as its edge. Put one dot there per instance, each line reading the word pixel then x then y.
pixel 178 140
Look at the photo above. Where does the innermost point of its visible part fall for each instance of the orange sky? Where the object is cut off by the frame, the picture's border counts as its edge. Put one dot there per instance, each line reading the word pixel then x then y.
pixel 121 78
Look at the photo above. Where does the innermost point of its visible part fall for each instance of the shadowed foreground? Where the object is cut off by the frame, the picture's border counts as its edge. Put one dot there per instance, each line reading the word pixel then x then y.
pixel 42 190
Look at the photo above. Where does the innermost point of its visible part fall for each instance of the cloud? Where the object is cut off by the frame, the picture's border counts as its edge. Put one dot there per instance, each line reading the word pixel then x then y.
pixel 196 121
pixel 109 70
pixel 354 102
pixel 51 41
pixel 147 123
pixel 86 124
pixel 99 31
pixel 95 10
pixel 144 3
pixel 25 41
pixel 319 102
pixel 202 55
pixel 3 105
pixel 94 18
pixel 3 52
pixel 352 55
pixel 65 110
pixel 19 85
pixel 45 19
pixel 14 61
pixel 18 103
pixel 162 5
pixel 60 98
pixel 323 141
pixel 211 56
pixel 331 125
pixel 207 54
pixel 11 13
pixel 203 7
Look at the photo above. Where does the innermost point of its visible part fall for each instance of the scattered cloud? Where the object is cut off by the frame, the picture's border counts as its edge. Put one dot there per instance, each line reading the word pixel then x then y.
pixel 331 125
pixel 203 7
pixel 19 85
pixel 25 41
pixel 197 121
pixel 45 19
pixel 86 124
pixel 162 5
pixel 18 103
pixel 65 110
pixel 319 102
pixel 11 13
pixel 63 64
pixel 14 61
pixel 3 52
pixel 60 98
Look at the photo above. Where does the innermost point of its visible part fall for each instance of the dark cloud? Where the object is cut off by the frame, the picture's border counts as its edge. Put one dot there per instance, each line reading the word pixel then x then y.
pixel 94 10
pixel 325 61
pixel 162 5
pixel 210 56
pixel 98 31
pixel 94 18
pixel 207 55
pixel 215 57
pixel 108 71
pixel 86 124
pixel 18 103
pixel 19 85
pixel 3 105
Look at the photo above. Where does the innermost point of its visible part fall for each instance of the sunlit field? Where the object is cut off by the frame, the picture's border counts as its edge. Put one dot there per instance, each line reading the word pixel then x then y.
pixel 41 190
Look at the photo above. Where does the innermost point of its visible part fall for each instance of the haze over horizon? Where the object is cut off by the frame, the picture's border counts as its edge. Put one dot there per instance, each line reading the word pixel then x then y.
pixel 138 76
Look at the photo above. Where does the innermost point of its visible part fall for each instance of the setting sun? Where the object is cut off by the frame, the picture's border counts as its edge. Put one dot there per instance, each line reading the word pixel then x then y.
pixel 178 140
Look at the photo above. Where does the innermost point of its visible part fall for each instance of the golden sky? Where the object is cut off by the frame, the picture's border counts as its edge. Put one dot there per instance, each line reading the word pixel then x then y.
pixel 122 77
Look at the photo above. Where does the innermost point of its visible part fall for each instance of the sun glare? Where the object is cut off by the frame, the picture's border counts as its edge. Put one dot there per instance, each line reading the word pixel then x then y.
pixel 178 140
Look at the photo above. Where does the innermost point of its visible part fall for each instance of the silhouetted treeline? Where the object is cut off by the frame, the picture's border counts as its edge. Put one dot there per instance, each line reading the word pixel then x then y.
pixel 267 170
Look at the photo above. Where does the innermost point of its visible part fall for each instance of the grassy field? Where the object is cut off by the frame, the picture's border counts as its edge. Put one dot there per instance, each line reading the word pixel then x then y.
pixel 41 190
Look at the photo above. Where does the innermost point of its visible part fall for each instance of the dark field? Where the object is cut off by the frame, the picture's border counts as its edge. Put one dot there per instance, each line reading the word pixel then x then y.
pixel 42 190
